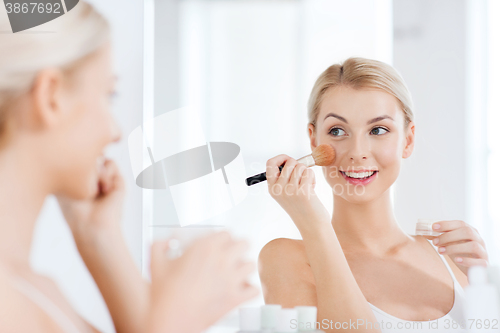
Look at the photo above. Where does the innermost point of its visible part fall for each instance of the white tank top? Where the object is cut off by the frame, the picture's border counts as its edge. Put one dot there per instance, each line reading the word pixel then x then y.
pixel 449 323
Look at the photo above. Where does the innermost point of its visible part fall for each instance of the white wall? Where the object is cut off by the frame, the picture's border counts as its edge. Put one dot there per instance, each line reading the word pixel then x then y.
pixel 429 51
pixel 53 251
pixel 440 49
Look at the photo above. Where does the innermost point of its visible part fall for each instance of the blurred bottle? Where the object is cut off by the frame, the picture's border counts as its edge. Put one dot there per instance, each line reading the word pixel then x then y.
pixel 494 276
pixel 271 318
pixel 482 308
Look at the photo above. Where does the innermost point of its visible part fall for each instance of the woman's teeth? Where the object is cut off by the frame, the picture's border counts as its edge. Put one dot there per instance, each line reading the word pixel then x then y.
pixel 359 175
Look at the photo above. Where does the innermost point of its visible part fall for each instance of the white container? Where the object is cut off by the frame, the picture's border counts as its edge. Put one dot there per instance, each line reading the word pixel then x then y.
pixel 307 318
pixel 287 320
pixel 249 319
pixel 482 306
pixel 269 317
pixel 494 276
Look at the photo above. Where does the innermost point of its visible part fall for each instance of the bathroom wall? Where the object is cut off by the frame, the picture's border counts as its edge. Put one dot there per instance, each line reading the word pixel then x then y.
pixel 429 51
pixel 440 48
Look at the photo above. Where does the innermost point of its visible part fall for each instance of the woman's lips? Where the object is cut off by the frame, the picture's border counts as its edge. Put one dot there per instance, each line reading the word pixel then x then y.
pixel 356 181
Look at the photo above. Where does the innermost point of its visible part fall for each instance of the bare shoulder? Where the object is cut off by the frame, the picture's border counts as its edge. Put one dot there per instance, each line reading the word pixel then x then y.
pixel 460 276
pixel 283 250
pixel 285 273
pixel 20 314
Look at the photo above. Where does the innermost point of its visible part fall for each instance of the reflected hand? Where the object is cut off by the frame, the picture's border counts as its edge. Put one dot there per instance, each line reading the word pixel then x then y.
pixel 462 243
pixel 102 212
pixel 193 291
pixel 293 189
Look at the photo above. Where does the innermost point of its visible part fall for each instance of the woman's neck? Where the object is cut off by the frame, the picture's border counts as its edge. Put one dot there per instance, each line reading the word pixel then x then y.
pixel 22 195
pixel 367 227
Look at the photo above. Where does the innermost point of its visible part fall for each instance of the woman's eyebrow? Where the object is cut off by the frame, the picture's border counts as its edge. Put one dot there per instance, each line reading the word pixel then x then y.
pixel 374 120
pixel 331 114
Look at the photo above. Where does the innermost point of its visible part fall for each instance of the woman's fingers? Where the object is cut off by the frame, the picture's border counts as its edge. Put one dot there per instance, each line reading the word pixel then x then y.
pixel 248 292
pixel 461 234
pixel 448 225
pixel 218 241
pixel 272 168
pixel 297 174
pixel 245 268
pixel 286 173
pixel 468 262
pixel 293 173
pixel 235 250
pixel 471 248
pixel 307 177
pixel 110 177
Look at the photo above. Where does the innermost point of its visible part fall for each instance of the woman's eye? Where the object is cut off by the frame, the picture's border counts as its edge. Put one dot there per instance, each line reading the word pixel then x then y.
pixel 376 130
pixel 335 131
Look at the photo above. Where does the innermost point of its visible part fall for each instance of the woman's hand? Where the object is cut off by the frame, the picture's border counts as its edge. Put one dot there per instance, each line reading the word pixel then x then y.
pixel 193 291
pixel 462 243
pixel 293 189
pixel 101 213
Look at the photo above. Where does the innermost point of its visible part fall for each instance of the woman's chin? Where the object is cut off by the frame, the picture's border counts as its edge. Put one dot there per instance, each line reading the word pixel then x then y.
pixel 359 196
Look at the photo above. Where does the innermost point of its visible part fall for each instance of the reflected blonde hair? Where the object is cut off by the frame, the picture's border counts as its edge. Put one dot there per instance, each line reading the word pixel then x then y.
pixel 360 73
pixel 63 43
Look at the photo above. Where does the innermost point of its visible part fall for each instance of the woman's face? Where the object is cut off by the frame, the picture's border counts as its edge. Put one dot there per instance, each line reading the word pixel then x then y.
pixel 366 128
pixel 85 127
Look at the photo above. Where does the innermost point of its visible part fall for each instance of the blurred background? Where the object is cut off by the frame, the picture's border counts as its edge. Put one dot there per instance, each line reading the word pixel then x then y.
pixel 248 67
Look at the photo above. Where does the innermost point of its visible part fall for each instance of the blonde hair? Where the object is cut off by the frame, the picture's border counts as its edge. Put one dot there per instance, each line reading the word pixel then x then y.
pixel 359 73
pixel 62 44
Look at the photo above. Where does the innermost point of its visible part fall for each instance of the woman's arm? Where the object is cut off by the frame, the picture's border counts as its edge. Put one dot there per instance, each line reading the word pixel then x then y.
pixel 338 295
pixel 95 225
pixel 339 298
pixel 119 280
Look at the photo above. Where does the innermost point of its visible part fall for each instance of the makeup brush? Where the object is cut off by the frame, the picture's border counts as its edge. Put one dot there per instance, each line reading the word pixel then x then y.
pixel 322 155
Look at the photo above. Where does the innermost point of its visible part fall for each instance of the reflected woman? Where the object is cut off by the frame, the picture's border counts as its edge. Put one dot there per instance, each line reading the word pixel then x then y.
pixel 359 263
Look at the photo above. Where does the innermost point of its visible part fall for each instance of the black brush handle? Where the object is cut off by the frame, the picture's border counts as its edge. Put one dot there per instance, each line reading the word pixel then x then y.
pixel 260 177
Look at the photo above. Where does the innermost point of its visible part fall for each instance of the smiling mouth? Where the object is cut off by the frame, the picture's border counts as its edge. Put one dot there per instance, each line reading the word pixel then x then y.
pixel 360 178
pixel 359 175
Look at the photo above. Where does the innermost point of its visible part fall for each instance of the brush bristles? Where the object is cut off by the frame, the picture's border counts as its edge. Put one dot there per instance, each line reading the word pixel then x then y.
pixel 323 155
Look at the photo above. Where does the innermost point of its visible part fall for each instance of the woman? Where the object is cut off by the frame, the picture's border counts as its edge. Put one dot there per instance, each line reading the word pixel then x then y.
pixel 359 264
pixel 55 121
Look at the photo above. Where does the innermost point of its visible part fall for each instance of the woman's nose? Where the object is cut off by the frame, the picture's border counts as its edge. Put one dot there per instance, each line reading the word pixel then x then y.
pixel 359 150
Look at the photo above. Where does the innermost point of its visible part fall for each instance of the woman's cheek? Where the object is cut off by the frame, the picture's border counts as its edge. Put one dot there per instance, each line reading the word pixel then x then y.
pixel 332 175
pixel 388 159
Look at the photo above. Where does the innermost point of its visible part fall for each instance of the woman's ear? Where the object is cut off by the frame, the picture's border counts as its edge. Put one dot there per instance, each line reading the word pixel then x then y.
pixel 410 140
pixel 47 99
pixel 311 129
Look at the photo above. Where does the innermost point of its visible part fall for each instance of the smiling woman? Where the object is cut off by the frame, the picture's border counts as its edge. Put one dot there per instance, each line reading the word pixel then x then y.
pixel 360 256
